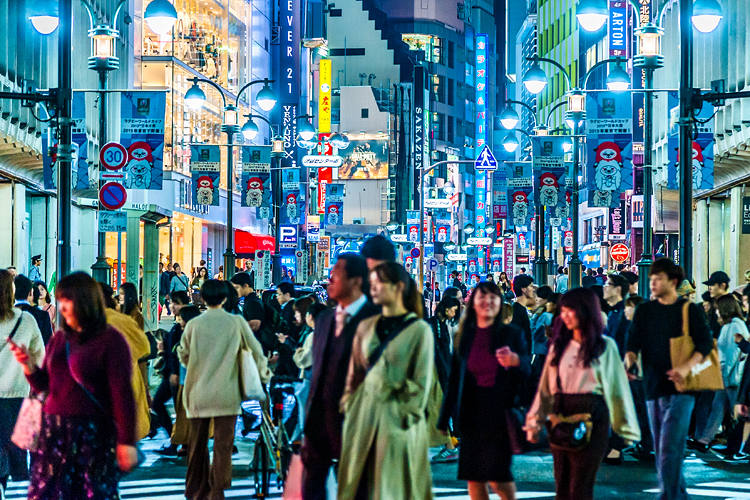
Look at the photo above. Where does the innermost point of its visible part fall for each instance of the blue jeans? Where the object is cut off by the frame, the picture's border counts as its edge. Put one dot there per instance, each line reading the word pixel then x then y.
pixel 669 417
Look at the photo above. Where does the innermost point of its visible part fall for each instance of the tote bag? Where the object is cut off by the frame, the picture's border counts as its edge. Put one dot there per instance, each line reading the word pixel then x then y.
pixel 28 425
pixel 251 387
pixel 706 376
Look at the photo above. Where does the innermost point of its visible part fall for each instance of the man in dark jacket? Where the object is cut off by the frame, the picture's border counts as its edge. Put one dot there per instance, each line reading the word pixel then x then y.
pixel 332 347
pixel 24 295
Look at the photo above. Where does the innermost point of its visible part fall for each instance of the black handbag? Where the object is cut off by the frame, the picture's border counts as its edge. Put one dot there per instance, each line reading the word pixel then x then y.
pixel 568 432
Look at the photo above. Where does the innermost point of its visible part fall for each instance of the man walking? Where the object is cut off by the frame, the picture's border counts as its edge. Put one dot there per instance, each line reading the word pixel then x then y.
pixel 24 294
pixel 669 410
pixel 332 347
pixel 525 290
pixel 377 250
pixel 718 286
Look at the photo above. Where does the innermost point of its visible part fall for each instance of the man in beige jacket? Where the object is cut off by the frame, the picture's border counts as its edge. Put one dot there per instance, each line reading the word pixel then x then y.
pixel 209 350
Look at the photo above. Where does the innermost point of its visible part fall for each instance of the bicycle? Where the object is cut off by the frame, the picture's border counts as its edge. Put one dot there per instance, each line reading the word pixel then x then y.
pixel 272 445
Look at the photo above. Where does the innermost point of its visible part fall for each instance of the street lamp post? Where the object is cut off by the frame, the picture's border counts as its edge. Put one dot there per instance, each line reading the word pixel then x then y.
pixel 194 98
pixel 64 138
pixel 686 137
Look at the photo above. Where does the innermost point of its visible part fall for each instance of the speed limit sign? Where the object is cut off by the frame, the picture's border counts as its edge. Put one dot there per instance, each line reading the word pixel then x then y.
pixel 113 156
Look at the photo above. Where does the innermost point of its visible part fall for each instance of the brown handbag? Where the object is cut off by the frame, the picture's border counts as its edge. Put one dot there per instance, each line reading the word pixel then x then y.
pixel 705 376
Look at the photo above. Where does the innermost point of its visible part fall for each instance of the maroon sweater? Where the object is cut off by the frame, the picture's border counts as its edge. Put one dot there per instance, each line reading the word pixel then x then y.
pixel 103 365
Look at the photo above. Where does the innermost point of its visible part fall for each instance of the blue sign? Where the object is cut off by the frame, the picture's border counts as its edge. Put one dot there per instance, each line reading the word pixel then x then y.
pixel 142 132
pixel 618 28
pixel 486 160
pixel 703 147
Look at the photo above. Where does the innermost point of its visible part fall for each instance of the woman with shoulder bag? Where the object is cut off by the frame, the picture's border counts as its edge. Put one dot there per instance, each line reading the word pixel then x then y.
pixel 21 328
pixel 88 425
pixel 489 367
pixel 385 437
pixel 583 388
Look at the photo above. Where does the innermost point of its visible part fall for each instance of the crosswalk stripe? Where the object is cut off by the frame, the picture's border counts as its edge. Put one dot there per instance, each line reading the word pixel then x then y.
pixel 730 495
pixel 725 484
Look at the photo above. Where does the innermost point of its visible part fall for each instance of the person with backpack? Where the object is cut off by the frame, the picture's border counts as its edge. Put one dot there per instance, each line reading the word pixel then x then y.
pixel 385 435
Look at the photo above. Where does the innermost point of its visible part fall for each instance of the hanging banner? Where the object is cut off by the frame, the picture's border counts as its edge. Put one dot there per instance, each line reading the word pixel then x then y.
pixel 548 160
pixel 609 127
pixel 82 177
pixel 703 147
pixel 142 133
pixel 293 208
pixel 334 215
pixel 520 195
pixel 412 226
pixel 324 96
pixel 500 192
pixel 256 180
pixel 443 228
pixel 313 228
pixel 205 169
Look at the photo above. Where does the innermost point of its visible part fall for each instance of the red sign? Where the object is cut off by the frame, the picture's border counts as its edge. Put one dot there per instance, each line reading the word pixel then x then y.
pixel 113 196
pixel 113 156
pixel 619 253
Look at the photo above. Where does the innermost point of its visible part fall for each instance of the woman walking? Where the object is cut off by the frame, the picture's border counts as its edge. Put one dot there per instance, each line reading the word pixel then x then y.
pixel 22 329
pixel 45 301
pixel 179 281
pixel 489 366
pixel 88 426
pixel 208 349
pixel 583 374
pixel 200 278
pixel 128 303
pixel 385 436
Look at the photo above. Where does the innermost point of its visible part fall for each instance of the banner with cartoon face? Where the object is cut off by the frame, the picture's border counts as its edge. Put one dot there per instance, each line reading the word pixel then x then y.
pixel 142 133
pixel 550 176
pixel 256 180
pixel 334 209
pixel 83 177
pixel 609 129
pixel 293 198
pixel 442 228
pixel 412 226
pixel 205 169
pixel 520 195
pixel 703 146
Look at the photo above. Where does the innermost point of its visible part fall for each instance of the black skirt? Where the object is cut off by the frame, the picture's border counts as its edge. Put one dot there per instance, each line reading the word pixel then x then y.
pixel 486 452
pixel 76 459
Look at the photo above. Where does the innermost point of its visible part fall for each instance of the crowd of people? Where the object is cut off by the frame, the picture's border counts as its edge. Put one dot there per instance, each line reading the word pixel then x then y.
pixel 382 374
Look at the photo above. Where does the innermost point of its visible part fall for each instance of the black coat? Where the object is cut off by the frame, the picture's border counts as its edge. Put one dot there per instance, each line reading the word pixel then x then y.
pixel 42 320
pixel 325 328
pixel 442 350
pixel 508 384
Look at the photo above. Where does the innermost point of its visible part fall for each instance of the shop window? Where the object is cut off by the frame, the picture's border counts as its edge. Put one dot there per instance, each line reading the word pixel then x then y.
pixel 451 54
pixel 450 91
pixel 365 113
pixel 438 88
pixel 451 135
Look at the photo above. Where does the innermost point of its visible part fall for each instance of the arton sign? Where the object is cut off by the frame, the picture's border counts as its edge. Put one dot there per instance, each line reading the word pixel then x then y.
pixel 321 161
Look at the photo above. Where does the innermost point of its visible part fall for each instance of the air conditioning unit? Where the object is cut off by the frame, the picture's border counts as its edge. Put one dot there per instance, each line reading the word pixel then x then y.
pixel 358 220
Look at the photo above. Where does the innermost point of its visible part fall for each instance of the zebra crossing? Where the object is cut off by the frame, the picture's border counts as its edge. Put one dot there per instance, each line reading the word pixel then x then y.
pixel 174 489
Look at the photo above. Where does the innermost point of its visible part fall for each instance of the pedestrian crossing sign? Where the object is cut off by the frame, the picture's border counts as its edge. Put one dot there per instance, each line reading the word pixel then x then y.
pixel 486 160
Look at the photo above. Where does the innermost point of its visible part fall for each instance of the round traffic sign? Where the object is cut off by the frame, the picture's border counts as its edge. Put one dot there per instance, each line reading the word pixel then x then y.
pixel 432 264
pixel 113 196
pixel 619 252
pixel 415 252
pixel 113 156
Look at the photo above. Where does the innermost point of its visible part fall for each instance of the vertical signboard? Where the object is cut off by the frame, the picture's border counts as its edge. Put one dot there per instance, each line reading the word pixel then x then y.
pixel 324 97
pixel 412 226
pixel 703 147
pixel 289 78
pixel 293 198
pixel 500 192
pixel 334 213
pixel 508 257
pixel 313 228
pixel 256 179
pixel 549 174
pixel 618 28
pixel 325 175
pixel 79 167
pixel 262 269
pixel 480 132
pixel 609 127
pixel 205 169
pixel 142 133
pixel 616 223
pixel 420 81
pixel 520 195
pixel 746 215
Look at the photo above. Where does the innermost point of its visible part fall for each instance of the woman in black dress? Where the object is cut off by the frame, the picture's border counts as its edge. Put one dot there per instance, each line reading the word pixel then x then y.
pixel 489 364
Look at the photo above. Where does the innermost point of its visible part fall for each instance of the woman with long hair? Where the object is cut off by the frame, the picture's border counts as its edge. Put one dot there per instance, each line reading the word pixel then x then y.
pixel 506 286
pixel 385 436
pixel 88 424
pixel 13 384
pixel 129 304
pixel 200 277
pixel 583 374
pixel 733 329
pixel 489 366
pixel 45 301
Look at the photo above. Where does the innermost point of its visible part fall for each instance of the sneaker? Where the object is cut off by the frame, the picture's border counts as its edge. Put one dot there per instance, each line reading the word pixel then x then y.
pixel 696 445
pixel 168 451
pixel 445 455
pixel 738 458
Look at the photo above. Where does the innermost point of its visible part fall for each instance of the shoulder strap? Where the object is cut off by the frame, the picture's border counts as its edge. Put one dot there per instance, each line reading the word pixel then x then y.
pixel 685 318
pixel 80 384
pixel 13 332
pixel 378 352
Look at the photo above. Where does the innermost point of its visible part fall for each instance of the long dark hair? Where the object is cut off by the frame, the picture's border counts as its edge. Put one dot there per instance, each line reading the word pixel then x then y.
pixel 47 298
pixel 392 273
pixel 131 297
pixel 445 304
pixel 6 295
pixel 470 318
pixel 88 303
pixel 585 303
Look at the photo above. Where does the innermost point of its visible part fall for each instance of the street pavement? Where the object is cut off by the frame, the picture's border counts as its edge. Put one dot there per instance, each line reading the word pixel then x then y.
pixel 707 476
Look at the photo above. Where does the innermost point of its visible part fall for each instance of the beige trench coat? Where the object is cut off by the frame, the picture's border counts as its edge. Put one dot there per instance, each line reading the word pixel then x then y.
pixel 385 438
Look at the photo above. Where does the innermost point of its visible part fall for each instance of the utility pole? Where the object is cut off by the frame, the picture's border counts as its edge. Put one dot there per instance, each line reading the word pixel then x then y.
pixel 65 137
pixel 686 137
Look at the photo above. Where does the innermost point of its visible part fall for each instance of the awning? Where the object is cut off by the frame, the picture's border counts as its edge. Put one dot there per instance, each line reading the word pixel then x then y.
pixel 246 244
